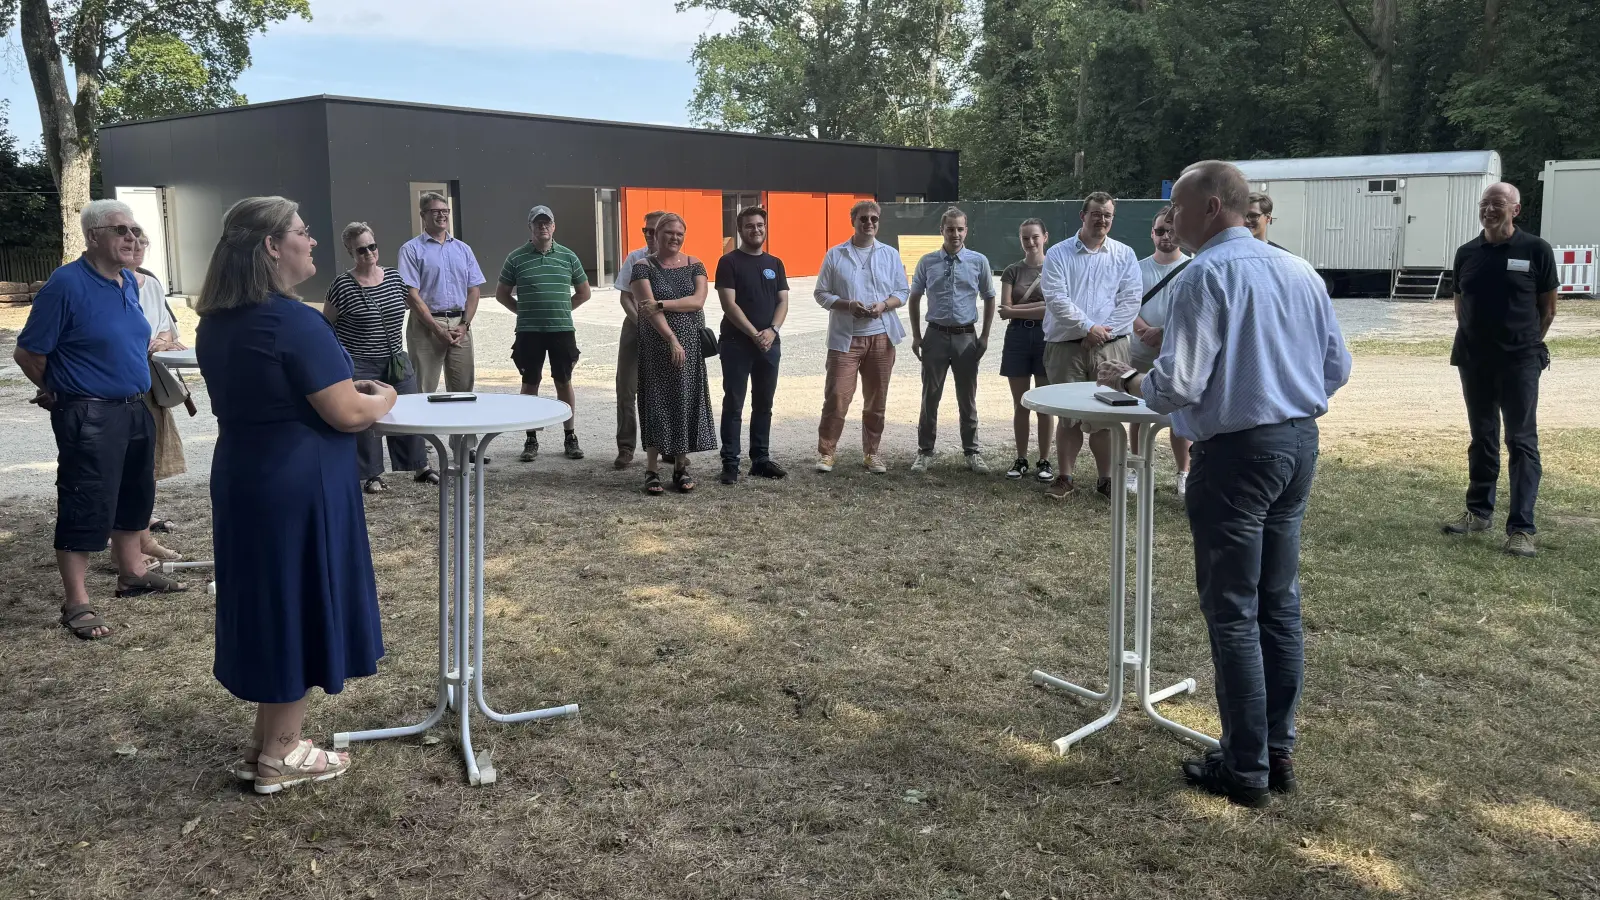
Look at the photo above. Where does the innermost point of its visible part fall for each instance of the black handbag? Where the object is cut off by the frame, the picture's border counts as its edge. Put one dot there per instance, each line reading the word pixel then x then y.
pixel 708 342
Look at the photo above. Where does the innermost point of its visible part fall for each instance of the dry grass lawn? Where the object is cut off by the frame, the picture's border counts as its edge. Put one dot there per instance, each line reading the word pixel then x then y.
pixel 818 688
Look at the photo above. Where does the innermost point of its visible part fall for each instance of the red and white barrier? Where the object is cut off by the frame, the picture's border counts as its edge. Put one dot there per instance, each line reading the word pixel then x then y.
pixel 1575 267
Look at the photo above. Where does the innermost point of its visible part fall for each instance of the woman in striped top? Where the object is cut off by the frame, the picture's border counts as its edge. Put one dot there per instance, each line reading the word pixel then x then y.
pixel 367 306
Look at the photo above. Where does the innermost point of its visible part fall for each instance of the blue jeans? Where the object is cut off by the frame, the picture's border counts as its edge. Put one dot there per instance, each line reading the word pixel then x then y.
pixel 1246 501
pixel 744 366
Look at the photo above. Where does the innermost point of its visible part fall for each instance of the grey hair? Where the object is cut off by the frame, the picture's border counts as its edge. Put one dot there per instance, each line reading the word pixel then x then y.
pixel 96 212
pixel 1215 178
pixel 953 212
pixel 351 232
pixel 431 197
pixel 242 273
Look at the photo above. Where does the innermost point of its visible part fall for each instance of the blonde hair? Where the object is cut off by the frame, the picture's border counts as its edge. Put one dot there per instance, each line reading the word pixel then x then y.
pixel 242 273
pixel 351 232
pixel 953 212
pixel 863 205
pixel 670 217
pixel 431 197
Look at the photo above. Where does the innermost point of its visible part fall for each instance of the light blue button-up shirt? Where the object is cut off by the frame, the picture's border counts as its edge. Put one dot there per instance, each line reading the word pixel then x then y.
pixel 440 271
pixel 953 284
pixel 1251 340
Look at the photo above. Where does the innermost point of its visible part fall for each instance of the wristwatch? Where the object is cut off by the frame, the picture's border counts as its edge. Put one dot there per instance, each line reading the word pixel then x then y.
pixel 1127 377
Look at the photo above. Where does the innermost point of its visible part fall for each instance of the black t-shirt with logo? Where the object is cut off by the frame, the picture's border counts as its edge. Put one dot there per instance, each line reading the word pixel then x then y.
pixel 755 280
pixel 1500 284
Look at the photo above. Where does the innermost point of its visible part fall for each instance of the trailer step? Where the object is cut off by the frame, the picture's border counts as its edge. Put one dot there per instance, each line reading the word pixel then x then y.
pixel 1417 285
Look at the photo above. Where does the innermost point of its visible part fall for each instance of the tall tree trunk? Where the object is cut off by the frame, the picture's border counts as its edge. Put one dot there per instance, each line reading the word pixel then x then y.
pixel 1491 35
pixel 69 155
pixel 1385 22
pixel 930 103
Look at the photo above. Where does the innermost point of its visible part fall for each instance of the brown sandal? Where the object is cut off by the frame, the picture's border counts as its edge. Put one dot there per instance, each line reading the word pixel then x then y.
pixel 82 619
pixel 148 583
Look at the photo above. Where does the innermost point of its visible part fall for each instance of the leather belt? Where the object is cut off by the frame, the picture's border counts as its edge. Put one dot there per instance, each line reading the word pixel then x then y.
pixel 954 329
pixel 449 314
pixel 80 398
pixel 1108 340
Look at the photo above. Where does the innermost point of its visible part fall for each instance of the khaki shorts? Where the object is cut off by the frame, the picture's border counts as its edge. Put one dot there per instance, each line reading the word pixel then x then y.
pixel 1066 362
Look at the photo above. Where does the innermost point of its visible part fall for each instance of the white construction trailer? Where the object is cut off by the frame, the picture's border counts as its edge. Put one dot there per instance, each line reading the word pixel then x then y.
pixel 1569 223
pixel 1384 226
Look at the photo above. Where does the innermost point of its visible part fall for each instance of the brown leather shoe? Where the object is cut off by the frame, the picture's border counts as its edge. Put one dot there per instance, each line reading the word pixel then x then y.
pixel 624 459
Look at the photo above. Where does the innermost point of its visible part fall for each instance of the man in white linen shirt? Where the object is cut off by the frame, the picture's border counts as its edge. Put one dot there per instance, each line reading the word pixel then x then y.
pixel 1091 290
pixel 628 349
pixel 862 284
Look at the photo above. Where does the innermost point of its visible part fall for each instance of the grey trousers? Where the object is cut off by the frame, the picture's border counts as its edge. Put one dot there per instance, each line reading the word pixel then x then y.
pixel 943 353
pixel 430 357
pixel 628 387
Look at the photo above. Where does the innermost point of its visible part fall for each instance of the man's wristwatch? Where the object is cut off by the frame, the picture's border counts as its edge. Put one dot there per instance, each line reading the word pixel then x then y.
pixel 1126 377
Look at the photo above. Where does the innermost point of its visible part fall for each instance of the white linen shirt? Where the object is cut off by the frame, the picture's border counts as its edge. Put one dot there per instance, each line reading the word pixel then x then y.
pixel 625 274
pixel 843 279
pixel 1083 288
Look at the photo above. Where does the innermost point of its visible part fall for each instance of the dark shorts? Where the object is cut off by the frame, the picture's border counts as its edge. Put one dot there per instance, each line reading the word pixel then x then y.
pixel 531 346
pixel 1022 355
pixel 105 471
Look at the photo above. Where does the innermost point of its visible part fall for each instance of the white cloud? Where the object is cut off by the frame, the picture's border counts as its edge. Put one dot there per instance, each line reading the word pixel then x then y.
pixel 651 29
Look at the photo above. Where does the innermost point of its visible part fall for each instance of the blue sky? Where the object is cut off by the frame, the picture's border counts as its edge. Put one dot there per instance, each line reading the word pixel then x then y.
pixel 626 60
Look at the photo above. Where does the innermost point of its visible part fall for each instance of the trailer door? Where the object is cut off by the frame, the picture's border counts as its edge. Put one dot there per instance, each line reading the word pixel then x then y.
pixel 1426 227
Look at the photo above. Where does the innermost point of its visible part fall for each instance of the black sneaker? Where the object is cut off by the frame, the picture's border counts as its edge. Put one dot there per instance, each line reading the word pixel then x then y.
pixel 530 448
pixel 1018 468
pixel 1103 487
pixel 1046 473
pixel 1210 775
pixel 766 468
pixel 1280 770
pixel 573 451
pixel 730 473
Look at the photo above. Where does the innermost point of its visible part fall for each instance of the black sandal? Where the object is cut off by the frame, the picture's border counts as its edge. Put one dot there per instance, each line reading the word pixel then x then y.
pixel 164 526
pixel 427 476
pixel 682 481
pixel 652 483
pixel 374 485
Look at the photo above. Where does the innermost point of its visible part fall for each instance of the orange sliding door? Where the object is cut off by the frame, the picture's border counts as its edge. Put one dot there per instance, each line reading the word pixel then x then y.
pixel 702 219
pixel 797 231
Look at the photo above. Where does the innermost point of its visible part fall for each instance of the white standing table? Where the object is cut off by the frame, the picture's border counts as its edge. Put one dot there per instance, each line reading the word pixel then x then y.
pixel 177 361
pixel 1076 401
pixel 461 432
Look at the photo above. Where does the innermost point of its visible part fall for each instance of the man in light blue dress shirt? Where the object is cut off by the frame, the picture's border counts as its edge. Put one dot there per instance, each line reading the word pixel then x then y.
pixel 953 278
pixel 1251 355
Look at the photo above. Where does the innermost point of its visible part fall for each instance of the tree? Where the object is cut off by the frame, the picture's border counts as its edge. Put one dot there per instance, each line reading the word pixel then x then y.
pixel 27 195
pixel 100 35
pixel 161 75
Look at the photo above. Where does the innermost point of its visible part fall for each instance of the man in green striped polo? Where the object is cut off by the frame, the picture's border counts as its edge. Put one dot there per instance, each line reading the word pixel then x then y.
pixel 549 283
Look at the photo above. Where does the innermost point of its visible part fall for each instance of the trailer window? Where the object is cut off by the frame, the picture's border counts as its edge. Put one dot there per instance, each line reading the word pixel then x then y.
pixel 1383 185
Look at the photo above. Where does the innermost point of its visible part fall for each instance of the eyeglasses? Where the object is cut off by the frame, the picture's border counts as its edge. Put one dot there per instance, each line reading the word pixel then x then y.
pixel 437 212
pixel 1161 232
pixel 122 230
pixel 304 232
pixel 370 248
pixel 546 223
pixel 871 220
pixel 1253 218
pixel 1495 206
pixel 1100 216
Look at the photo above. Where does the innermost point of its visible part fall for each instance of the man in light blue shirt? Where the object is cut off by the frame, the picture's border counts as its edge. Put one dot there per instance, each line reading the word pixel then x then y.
pixel 952 278
pixel 1251 355
pixel 444 279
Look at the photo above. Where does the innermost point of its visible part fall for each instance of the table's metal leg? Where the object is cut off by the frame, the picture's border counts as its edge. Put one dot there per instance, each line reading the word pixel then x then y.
pixel 1118 593
pixel 1144 582
pixel 477 634
pixel 342 739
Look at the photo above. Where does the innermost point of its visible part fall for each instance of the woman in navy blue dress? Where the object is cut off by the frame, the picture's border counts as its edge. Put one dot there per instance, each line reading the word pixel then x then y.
pixel 297 606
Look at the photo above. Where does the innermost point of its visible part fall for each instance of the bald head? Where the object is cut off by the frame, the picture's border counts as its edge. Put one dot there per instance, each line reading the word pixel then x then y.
pixel 1209 196
pixel 1498 210
pixel 1505 190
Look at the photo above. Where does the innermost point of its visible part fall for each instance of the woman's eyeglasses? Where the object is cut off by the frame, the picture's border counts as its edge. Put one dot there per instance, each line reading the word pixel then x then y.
pixel 370 248
pixel 122 230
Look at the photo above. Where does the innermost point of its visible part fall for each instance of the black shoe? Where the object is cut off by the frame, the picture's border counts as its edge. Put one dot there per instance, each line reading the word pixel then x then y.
pixel 1046 473
pixel 1018 468
pixel 573 451
pixel 1103 487
pixel 766 468
pixel 730 473
pixel 1209 774
pixel 530 448
pixel 1280 770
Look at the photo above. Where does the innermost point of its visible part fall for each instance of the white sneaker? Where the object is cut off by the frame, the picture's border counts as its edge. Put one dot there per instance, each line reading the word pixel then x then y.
pixel 975 463
pixel 1183 483
pixel 825 463
pixel 875 464
pixel 1133 482
pixel 921 465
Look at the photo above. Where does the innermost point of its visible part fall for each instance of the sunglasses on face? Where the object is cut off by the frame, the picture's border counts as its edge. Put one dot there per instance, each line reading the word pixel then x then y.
pixel 370 248
pixel 1161 232
pixel 870 220
pixel 122 230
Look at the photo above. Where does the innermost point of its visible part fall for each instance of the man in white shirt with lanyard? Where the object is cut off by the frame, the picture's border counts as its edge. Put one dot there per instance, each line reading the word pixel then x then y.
pixel 628 350
pixel 1091 297
pixel 1158 271
pixel 862 284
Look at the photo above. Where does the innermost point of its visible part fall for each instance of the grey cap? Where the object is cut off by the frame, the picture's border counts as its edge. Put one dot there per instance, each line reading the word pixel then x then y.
pixel 538 211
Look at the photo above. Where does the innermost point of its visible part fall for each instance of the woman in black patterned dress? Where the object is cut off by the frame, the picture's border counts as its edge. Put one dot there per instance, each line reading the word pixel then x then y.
pixel 674 399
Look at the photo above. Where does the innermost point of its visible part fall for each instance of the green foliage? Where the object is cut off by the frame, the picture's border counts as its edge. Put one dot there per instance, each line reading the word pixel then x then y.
pixel 27 196
pixel 161 75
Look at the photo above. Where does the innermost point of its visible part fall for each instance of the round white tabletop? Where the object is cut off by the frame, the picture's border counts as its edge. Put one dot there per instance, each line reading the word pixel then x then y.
pixel 489 414
pixel 1076 401
pixel 177 359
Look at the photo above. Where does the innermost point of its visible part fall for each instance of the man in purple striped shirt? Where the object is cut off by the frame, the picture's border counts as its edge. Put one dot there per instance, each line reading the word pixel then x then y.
pixel 443 277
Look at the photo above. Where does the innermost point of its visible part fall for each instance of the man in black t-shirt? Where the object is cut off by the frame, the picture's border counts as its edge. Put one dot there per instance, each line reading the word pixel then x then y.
pixel 1505 296
pixel 755 300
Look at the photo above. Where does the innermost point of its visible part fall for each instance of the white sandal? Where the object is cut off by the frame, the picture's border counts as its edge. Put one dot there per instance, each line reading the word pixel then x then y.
pixel 305 763
pixel 245 769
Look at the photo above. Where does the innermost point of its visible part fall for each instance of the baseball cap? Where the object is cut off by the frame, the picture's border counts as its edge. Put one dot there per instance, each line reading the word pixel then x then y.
pixel 538 211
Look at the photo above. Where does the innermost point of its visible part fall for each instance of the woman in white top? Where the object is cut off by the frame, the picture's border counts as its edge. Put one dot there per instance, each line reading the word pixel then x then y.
pixel 169 449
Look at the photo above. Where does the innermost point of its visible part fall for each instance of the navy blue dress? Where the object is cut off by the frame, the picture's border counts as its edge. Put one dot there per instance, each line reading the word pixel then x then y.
pixel 297 605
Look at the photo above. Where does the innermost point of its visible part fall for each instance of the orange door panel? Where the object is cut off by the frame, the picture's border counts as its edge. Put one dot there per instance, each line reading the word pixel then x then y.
pixel 839 225
pixel 797 230
pixel 702 213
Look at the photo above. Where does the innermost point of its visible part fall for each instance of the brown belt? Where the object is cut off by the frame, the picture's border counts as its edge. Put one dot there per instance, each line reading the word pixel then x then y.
pixel 954 329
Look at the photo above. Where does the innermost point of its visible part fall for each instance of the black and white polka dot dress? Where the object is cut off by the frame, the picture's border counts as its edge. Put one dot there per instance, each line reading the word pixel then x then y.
pixel 674 403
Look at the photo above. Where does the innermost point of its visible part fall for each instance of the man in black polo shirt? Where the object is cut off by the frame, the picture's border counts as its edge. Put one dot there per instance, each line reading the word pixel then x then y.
pixel 1505 298
pixel 755 300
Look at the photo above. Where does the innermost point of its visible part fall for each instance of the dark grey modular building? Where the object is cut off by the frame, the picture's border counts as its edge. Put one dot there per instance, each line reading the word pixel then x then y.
pixel 347 159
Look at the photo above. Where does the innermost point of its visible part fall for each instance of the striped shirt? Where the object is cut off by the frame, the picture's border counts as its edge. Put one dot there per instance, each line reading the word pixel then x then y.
pixel 544 283
pixel 1083 288
pixel 368 320
pixel 1251 339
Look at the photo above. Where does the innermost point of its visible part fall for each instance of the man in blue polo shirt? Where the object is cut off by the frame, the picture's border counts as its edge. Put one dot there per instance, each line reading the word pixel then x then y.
pixel 84 346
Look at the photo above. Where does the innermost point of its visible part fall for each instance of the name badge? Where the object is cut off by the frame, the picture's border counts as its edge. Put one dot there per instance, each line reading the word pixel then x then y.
pixel 1516 265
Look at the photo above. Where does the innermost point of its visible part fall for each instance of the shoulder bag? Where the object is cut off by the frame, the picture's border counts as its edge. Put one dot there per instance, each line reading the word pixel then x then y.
pixel 394 370
pixel 708 338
